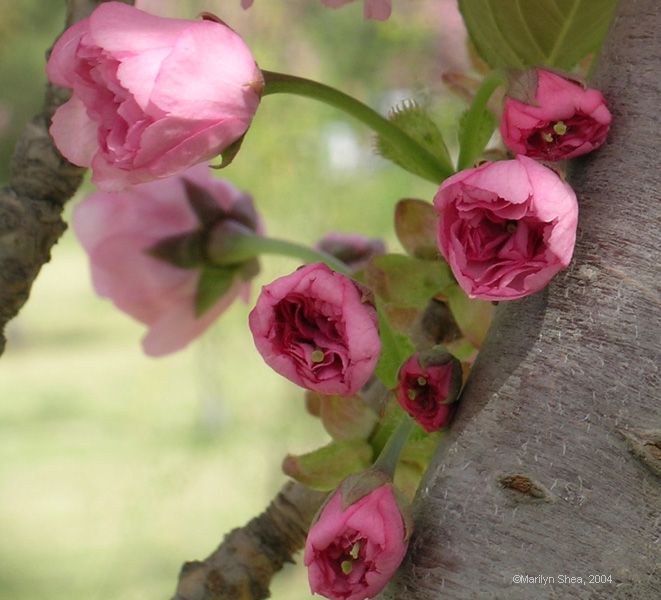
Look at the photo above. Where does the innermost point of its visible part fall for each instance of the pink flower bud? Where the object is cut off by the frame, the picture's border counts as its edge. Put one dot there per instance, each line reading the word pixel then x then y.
pixel 356 544
pixel 151 96
pixel 428 383
pixel 120 230
pixel 556 119
pixel 352 249
pixel 506 227
pixel 372 9
pixel 314 327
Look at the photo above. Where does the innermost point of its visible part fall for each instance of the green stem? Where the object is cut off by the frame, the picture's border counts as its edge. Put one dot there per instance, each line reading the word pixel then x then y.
pixel 240 248
pixel 468 150
pixel 434 168
pixel 387 460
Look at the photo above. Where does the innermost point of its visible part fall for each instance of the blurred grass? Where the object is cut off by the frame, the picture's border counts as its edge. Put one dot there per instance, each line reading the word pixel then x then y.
pixel 116 468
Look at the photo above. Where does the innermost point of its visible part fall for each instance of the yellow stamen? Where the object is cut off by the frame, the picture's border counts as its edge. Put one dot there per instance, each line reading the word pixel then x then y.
pixel 422 381
pixel 317 356
pixel 355 550
pixel 346 566
pixel 560 128
pixel 547 137
pixel 411 394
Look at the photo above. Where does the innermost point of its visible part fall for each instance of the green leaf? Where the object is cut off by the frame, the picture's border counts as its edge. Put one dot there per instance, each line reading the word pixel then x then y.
pixel 214 282
pixel 345 418
pixel 477 123
pixel 416 223
pixel 414 120
pixel 323 469
pixel 406 281
pixel 472 316
pixel 525 33
pixel 395 349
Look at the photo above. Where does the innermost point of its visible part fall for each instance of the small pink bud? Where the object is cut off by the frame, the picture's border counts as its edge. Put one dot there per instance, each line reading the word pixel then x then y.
pixel 550 117
pixel 315 328
pixel 356 544
pixel 506 228
pixel 428 383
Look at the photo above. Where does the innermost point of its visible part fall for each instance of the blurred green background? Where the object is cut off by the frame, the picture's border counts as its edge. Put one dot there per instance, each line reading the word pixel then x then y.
pixel 116 468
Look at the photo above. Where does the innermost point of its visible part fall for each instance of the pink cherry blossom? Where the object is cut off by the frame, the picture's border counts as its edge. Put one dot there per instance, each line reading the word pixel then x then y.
pixel 428 383
pixel 564 120
pixel 315 328
pixel 352 551
pixel 506 228
pixel 117 229
pixel 152 96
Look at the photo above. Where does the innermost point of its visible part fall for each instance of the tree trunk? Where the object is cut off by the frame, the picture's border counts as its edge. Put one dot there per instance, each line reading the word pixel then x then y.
pixel 552 467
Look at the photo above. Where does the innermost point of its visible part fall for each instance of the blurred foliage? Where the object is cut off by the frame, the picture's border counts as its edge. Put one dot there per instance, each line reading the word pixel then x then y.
pixel 116 468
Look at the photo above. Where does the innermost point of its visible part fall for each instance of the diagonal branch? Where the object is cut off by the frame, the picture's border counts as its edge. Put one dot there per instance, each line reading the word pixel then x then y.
pixel 40 183
pixel 242 566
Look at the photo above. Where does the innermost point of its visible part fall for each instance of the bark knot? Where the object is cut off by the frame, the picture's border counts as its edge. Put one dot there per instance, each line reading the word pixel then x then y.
pixel 524 488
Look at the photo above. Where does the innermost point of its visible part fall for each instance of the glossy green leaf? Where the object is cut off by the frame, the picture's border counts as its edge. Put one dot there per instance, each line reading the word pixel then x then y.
pixel 414 120
pixel 524 33
pixel 323 469
pixel 214 282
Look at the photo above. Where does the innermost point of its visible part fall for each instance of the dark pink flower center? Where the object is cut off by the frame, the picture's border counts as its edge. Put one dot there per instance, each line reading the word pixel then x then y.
pixel 311 332
pixel 346 563
pixel 556 139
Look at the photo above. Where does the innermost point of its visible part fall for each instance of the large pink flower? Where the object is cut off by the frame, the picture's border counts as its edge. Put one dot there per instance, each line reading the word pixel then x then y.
pixel 352 551
pixel 118 229
pixel 564 120
pixel 315 328
pixel 506 227
pixel 151 96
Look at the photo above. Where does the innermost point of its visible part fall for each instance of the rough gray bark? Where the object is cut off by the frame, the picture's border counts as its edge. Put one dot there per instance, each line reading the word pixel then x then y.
pixel 40 182
pixel 552 466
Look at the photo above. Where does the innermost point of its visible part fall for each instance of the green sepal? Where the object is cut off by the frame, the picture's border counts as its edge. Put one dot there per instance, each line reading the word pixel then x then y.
pixel 213 284
pixel 323 469
pixel 185 251
pixel 416 226
pixel 414 120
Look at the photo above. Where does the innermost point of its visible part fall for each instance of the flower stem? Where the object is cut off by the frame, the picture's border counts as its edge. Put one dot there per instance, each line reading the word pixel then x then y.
pixel 387 460
pixel 240 248
pixel 434 168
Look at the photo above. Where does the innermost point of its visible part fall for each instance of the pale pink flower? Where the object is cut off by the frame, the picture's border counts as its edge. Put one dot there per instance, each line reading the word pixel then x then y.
pixel 506 228
pixel 563 119
pixel 117 230
pixel 316 328
pixel 152 96
pixel 352 551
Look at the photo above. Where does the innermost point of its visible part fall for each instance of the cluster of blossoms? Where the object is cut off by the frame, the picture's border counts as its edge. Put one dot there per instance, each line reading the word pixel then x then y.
pixel 152 101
